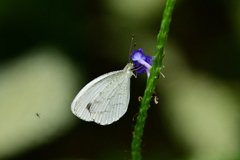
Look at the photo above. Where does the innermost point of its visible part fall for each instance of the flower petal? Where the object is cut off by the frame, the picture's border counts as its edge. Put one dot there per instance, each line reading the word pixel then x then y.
pixel 141 62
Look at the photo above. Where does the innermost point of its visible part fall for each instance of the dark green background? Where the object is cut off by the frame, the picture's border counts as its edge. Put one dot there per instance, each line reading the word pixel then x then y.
pixel 92 35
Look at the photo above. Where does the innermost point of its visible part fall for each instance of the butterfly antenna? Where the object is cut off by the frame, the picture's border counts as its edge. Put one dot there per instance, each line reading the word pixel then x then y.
pixel 134 44
pixel 130 51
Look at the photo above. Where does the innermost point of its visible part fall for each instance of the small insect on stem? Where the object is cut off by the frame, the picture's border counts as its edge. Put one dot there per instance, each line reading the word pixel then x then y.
pixel 154 98
pixel 139 98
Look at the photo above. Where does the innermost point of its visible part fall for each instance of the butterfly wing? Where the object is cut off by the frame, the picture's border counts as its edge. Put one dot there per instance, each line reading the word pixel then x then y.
pixel 105 99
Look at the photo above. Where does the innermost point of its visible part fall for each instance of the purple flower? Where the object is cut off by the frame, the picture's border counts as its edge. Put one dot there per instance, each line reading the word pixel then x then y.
pixel 141 62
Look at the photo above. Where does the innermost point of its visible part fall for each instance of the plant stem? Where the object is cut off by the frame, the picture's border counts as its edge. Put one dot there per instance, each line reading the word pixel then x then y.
pixel 152 80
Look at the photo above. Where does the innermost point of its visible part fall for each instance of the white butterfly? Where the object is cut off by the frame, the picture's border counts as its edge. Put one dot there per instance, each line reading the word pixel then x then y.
pixel 105 99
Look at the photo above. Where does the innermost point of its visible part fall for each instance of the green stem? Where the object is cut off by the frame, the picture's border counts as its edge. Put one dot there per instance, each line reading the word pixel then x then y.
pixel 152 80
